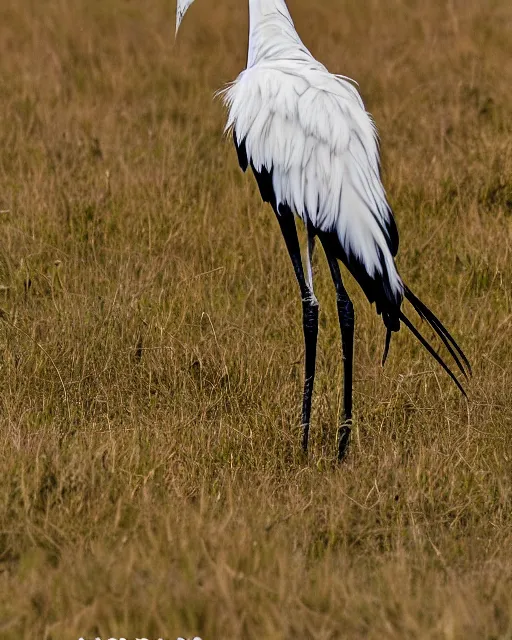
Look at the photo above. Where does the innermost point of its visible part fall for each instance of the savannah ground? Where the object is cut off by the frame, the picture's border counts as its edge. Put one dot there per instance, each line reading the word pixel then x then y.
pixel 152 482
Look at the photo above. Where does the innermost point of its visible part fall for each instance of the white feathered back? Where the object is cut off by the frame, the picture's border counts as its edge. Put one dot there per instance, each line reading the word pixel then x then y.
pixel 310 129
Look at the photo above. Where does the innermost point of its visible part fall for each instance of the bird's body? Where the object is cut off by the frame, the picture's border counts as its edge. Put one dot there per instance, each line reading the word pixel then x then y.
pixel 313 149
pixel 309 128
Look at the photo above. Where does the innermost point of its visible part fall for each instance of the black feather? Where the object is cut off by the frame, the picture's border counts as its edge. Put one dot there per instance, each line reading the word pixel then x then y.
pixel 436 357
pixel 241 152
pixel 264 180
pixel 392 234
pixel 386 346
pixel 426 314
pixel 377 287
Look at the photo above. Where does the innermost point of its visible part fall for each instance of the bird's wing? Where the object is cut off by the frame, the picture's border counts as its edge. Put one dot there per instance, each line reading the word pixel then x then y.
pixel 310 130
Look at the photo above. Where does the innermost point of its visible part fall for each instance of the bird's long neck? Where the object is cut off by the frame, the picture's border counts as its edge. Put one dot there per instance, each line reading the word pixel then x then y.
pixel 272 33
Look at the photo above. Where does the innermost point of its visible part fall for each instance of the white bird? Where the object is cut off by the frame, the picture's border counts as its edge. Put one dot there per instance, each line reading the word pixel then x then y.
pixel 314 152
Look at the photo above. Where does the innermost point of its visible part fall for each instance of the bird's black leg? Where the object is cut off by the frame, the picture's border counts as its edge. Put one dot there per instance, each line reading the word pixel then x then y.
pixel 346 318
pixel 309 315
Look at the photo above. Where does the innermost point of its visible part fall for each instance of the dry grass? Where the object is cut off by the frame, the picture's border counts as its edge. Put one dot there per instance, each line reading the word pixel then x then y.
pixel 151 344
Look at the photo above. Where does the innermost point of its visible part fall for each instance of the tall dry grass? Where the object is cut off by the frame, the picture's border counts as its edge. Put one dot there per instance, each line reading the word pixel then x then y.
pixel 151 346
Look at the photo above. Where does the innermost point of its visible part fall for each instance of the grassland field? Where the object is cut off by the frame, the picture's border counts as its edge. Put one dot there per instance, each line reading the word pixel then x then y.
pixel 152 483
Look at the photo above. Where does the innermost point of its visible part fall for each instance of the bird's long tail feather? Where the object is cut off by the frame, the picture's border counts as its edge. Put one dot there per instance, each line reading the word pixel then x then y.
pixel 453 348
pixel 442 332
pixel 389 333
pixel 429 348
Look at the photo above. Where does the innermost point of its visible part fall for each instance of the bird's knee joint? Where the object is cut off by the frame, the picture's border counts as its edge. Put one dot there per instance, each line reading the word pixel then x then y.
pixel 310 314
pixel 310 300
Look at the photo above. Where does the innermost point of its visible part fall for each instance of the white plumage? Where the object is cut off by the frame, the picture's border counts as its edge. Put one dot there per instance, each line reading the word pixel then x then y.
pixel 312 130
pixel 314 151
